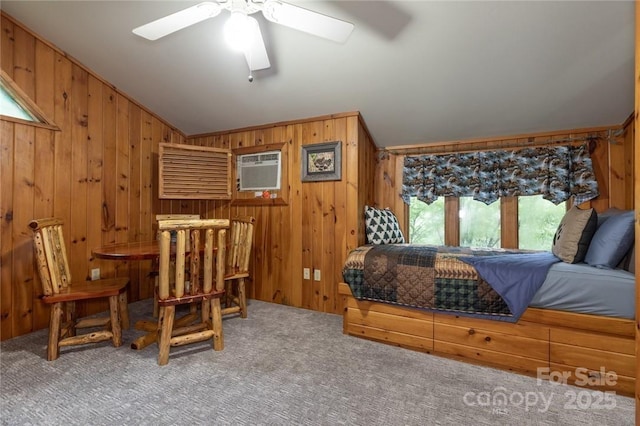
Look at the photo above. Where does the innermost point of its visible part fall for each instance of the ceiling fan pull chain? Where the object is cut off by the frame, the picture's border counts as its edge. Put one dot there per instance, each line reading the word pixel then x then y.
pixel 249 58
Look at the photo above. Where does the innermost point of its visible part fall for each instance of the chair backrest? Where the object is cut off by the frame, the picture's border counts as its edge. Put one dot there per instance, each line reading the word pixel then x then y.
pixel 177 216
pixel 206 236
pixel 172 216
pixel 239 252
pixel 51 255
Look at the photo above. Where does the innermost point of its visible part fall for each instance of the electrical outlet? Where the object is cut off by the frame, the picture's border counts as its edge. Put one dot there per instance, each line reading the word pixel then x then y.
pixel 95 274
pixel 316 274
pixel 306 274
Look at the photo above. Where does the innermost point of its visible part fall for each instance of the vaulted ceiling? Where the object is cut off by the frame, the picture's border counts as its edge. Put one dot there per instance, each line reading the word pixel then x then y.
pixel 418 71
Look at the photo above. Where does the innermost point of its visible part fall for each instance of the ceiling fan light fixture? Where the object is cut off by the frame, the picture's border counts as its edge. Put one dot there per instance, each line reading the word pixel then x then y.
pixel 242 32
pixel 238 31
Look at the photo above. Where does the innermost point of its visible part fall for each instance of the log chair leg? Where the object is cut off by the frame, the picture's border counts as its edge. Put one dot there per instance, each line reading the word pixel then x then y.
pixel 216 325
pixel 206 311
pixel 71 318
pixel 155 297
pixel 165 322
pixel 228 293
pixel 193 309
pixel 242 298
pixel 53 350
pixel 124 309
pixel 114 311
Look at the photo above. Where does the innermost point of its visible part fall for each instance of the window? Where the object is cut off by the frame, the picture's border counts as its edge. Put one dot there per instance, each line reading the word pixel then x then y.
pixel 538 220
pixel 426 222
pixel 15 105
pixel 479 223
pixel 11 108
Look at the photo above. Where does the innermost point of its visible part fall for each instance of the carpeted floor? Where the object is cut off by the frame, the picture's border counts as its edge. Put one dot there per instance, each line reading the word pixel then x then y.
pixel 281 366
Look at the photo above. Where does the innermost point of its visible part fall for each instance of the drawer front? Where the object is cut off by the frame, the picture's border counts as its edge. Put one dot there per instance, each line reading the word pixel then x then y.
pixel 590 323
pixel 489 357
pixel 602 342
pixel 391 337
pixel 385 308
pixel 492 340
pixel 593 359
pixel 521 328
pixel 592 379
pixel 405 325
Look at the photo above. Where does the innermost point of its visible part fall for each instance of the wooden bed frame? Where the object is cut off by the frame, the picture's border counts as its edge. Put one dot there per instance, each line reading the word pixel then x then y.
pixel 592 351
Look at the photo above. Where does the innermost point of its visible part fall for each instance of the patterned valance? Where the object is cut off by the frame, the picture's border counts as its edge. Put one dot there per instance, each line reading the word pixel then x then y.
pixel 555 172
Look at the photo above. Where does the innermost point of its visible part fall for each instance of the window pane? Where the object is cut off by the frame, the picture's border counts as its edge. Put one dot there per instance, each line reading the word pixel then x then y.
pixel 479 223
pixel 538 220
pixel 10 108
pixel 426 222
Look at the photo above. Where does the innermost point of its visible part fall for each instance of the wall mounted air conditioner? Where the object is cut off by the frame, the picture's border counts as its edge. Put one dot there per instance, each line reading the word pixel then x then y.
pixel 259 172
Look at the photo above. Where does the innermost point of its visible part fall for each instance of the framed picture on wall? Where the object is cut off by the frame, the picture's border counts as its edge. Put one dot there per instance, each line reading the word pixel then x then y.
pixel 321 162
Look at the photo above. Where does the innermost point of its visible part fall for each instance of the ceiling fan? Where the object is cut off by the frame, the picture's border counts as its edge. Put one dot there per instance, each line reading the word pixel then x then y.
pixel 242 31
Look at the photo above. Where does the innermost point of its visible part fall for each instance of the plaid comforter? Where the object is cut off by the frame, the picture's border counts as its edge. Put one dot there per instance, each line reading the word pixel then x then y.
pixel 427 277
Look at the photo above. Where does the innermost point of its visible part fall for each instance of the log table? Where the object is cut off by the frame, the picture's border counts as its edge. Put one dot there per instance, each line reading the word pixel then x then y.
pixel 138 250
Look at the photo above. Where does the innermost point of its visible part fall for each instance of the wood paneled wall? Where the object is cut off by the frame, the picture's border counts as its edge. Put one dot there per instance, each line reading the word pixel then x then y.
pixel 96 173
pixel 321 221
pixel 612 160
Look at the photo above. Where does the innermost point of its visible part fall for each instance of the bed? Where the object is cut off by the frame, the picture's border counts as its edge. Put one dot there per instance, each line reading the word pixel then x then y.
pixel 578 323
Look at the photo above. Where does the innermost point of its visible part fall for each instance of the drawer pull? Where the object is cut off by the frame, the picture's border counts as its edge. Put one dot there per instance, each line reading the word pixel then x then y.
pixel 487 339
pixel 471 332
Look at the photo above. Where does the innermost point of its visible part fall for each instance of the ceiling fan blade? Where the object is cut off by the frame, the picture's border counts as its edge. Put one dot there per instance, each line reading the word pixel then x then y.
pixel 307 21
pixel 256 53
pixel 177 21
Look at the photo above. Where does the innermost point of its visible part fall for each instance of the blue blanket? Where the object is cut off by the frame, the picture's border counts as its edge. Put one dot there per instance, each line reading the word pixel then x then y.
pixel 515 277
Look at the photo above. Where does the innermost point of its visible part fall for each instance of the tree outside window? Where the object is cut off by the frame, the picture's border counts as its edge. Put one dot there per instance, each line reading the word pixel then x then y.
pixel 479 223
pixel 538 220
pixel 426 222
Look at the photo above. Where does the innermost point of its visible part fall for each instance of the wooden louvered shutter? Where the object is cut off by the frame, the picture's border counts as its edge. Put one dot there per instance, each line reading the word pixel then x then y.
pixel 194 172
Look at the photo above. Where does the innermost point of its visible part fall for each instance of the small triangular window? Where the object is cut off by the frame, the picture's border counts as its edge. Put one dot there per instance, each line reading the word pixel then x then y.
pixel 11 108
pixel 16 105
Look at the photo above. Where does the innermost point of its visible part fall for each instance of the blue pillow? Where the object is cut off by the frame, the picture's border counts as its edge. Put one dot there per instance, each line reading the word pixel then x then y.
pixel 602 217
pixel 612 241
